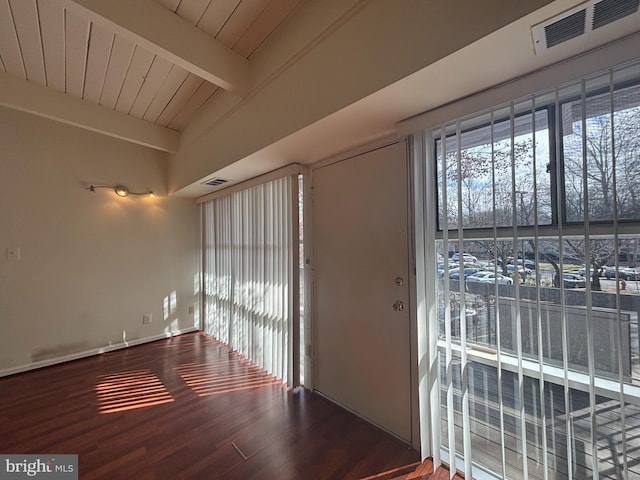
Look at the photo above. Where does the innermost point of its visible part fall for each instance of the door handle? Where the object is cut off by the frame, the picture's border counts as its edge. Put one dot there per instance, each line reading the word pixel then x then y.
pixel 398 306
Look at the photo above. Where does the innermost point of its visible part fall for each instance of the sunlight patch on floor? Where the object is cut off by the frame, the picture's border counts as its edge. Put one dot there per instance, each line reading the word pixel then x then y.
pixel 215 379
pixel 129 390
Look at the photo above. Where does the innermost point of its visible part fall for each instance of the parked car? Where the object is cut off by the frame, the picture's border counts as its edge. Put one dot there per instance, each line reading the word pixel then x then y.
pixel 454 273
pixel 530 264
pixel 467 258
pixel 484 276
pixel 583 270
pixel 571 280
pixel 624 273
pixel 441 268
pixel 606 269
pixel 523 271
pixel 484 265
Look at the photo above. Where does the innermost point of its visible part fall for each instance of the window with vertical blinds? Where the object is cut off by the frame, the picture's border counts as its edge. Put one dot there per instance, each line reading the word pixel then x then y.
pixel 537 256
pixel 251 274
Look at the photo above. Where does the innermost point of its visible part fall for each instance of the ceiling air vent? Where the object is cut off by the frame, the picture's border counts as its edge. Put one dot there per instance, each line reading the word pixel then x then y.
pixel 608 11
pixel 565 29
pixel 583 19
pixel 216 182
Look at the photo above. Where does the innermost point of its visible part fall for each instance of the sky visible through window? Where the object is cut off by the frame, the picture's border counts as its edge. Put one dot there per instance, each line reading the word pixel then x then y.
pixel 493 175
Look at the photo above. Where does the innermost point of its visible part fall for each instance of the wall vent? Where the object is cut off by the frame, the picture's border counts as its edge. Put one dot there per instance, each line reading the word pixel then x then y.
pixel 216 182
pixel 565 29
pixel 581 20
pixel 608 11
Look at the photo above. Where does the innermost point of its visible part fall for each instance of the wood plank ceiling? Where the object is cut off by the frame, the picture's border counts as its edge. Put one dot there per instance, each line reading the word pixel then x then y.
pixel 54 43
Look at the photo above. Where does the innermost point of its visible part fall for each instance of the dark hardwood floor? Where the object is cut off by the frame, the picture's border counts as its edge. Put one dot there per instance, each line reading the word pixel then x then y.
pixel 188 408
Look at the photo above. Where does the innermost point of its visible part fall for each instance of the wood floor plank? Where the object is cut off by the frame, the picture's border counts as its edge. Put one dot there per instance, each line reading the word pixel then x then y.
pixel 422 472
pixel 188 408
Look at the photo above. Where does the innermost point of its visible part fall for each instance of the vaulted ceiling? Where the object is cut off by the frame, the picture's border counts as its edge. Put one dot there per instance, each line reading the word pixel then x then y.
pixel 238 87
pixel 141 58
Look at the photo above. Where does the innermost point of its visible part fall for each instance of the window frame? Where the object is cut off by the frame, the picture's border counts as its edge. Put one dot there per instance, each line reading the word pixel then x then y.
pixel 555 169
pixel 606 90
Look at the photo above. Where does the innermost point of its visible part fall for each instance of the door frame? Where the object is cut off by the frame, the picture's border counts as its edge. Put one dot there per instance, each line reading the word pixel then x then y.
pixel 309 301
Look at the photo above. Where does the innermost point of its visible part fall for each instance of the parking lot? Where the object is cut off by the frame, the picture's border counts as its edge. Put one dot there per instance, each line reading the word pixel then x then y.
pixel 545 273
pixel 607 285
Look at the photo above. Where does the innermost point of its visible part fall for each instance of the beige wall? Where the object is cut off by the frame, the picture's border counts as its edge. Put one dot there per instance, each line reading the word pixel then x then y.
pixel 363 55
pixel 91 264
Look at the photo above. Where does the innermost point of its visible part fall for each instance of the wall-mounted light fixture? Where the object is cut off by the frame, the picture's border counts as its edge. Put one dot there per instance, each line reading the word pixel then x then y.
pixel 120 190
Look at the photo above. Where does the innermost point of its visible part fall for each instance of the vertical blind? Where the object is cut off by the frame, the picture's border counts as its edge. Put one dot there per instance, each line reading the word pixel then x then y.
pixel 534 332
pixel 251 274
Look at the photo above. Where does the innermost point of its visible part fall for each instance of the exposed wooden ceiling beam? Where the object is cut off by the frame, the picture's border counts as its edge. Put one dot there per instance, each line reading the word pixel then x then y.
pixel 162 32
pixel 44 102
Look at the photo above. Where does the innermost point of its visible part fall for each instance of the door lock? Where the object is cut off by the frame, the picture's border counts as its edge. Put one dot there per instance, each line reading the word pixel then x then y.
pixel 398 306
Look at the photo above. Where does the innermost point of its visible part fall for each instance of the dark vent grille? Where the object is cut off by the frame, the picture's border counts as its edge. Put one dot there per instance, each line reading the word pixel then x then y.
pixel 608 11
pixel 565 29
pixel 214 182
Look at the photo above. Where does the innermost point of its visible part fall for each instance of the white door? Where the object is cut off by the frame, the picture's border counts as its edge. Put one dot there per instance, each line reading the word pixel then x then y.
pixel 361 330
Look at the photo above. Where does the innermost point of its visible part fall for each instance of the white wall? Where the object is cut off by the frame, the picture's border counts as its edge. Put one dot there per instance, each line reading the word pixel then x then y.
pixel 91 264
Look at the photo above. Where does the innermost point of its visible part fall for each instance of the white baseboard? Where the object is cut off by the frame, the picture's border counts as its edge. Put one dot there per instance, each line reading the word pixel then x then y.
pixel 95 351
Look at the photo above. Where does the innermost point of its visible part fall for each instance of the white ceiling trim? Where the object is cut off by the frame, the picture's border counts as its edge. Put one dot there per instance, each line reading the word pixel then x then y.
pixel 42 101
pixel 162 32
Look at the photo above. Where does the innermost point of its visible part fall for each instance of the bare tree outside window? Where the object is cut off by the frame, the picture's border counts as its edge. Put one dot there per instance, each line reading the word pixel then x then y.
pixel 611 159
pixel 493 175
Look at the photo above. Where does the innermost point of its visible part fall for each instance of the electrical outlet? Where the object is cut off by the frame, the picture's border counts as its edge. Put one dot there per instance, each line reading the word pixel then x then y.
pixel 146 318
pixel 190 309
